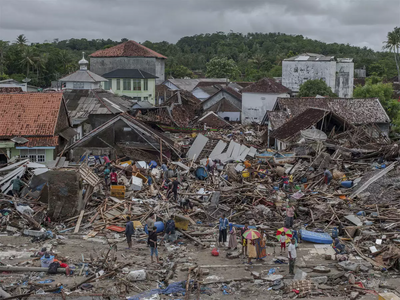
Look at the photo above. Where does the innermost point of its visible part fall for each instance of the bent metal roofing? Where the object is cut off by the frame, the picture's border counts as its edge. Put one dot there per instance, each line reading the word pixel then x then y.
pixel 127 49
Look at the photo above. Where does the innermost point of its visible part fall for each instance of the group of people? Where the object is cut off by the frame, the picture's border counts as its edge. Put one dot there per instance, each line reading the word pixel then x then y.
pixel 152 240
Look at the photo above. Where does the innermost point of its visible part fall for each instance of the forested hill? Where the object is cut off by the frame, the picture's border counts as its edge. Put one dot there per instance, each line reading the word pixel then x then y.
pixel 256 54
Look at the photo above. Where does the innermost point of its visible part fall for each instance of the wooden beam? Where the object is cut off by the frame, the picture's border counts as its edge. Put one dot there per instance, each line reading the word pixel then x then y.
pixel 78 224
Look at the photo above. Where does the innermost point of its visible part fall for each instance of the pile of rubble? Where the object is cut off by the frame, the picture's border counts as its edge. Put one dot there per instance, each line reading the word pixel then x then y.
pixel 73 216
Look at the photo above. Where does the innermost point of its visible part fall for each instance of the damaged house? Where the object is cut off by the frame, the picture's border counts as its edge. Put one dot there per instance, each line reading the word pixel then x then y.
pixel 259 98
pixel 33 125
pixel 88 109
pixel 226 103
pixel 124 135
pixel 358 112
pixel 177 113
pixel 313 123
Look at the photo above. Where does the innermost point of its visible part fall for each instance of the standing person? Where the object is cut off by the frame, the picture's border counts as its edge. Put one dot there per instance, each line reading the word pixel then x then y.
pixel 114 177
pixel 129 231
pixel 175 185
pixel 283 242
pixel 292 255
pixel 285 181
pixel 260 244
pixel 164 169
pixel 232 237
pixel 244 241
pixel 327 176
pixel 289 216
pixel 150 222
pixel 223 225
pixel 106 176
pixel 291 183
pixel 16 186
pixel 170 230
pixel 251 250
pixel 152 242
pixel 169 187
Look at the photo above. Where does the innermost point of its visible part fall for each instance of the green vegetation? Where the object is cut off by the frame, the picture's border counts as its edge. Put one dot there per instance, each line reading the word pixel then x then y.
pixel 312 88
pixel 222 68
pixel 255 55
pixel 374 88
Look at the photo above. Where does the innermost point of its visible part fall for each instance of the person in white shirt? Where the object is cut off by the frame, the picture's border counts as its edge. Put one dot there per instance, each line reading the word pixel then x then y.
pixel 292 255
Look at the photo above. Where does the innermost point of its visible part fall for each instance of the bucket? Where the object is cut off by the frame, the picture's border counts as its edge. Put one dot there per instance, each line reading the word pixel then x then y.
pixel 45 262
pixel 246 174
pixel 159 225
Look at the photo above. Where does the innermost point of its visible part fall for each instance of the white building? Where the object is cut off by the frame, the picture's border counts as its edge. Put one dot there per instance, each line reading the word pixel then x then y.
pixel 337 73
pixel 259 98
pixel 83 79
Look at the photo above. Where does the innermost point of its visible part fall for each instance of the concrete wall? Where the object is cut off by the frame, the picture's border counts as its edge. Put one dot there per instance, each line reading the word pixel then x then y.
pixel 218 97
pixel 344 80
pixel 86 85
pixel 255 106
pixel 149 93
pixel 154 66
pixel 49 153
pixel 233 116
pixel 295 73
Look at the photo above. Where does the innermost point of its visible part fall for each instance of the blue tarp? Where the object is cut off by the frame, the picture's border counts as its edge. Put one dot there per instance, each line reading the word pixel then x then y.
pixel 173 288
pixel 201 173
pixel 315 237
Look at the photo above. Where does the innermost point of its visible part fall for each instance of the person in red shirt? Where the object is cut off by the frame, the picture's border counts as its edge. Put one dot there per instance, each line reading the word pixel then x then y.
pixel 114 177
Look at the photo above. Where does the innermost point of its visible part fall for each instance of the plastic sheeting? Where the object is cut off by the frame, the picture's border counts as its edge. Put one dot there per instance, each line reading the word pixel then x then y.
pixel 173 288
pixel 313 134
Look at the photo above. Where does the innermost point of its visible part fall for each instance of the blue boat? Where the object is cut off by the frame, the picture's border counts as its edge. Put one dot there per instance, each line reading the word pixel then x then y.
pixel 315 237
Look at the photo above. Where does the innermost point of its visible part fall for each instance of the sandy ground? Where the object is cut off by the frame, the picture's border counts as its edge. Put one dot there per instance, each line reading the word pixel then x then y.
pixel 19 250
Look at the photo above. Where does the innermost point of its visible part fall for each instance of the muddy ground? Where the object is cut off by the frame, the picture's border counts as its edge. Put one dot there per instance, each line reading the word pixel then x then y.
pixel 16 250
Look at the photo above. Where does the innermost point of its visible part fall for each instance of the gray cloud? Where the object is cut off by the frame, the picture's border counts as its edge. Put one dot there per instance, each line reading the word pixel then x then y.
pixel 357 22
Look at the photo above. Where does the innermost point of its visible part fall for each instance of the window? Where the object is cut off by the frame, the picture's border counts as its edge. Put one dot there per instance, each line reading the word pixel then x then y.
pixel 145 84
pixel 137 99
pixel 127 84
pixel 137 85
pixel 118 84
pixel 34 155
pixel 78 85
pixel 108 84
pixel 145 98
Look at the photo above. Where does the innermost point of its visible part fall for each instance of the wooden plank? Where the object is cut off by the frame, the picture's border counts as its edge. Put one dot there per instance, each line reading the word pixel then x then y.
pixel 78 224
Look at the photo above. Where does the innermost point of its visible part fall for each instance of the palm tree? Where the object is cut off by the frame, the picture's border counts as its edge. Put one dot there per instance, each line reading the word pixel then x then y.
pixel 40 64
pixel 21 40
pixel 393 44
pixel 28 58
pixel 3 49
pixel 65 59
pixel 258 59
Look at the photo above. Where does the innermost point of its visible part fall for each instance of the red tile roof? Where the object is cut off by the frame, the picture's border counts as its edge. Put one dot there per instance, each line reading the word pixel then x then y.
pixel 29 114
pixel 127 49
pixel 10 90
pixel 267 86
pixel 41 142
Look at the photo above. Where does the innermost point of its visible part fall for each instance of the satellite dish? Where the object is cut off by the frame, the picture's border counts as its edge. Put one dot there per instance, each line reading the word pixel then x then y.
pixel 26 80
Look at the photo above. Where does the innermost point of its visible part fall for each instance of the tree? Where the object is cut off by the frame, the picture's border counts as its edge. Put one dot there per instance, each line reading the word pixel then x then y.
pixel 222 68
pixel 312 88
pixel 393 44
pixel 21 40
pixel 3 49
pixel 384 92
pixel 258 60
pixel 28 59
pixel 179 72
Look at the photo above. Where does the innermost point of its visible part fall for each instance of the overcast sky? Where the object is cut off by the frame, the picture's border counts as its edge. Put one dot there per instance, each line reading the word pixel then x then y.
pixel 357 22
